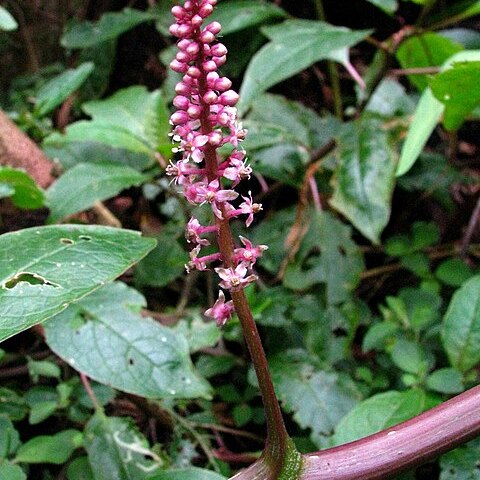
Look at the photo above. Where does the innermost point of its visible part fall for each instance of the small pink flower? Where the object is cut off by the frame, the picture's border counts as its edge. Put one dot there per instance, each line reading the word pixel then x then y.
pixel 234 279
pixel 221 311
pixel 249 254
pixel 248 207
pixel 214 196
pixel 193 231
pixel 237 170
pixel 200 263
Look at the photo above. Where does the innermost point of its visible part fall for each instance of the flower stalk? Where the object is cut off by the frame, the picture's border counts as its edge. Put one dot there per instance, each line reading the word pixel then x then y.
pixel 205 120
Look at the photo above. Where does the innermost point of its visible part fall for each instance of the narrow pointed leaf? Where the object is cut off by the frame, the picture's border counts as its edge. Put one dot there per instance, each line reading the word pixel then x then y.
pixel 43 270
pixel 295 45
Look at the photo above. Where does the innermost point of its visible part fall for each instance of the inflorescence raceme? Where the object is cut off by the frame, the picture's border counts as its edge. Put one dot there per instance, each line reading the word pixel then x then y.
pixel 205 120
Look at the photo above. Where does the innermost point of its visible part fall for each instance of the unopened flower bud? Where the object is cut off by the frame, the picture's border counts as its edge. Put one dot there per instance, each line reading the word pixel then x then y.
pixel 222 84
pixel 219 50
pixel 207 37
pixel 181 102
pixel 214 28
pixel 179 118
pixel 210 97
pixel 194 72
pixel 230 98
pixel 177 66
pixel 209 66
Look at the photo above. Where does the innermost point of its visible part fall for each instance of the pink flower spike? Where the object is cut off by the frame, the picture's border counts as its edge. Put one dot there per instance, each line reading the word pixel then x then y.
pixel 234 279
pixel 221 310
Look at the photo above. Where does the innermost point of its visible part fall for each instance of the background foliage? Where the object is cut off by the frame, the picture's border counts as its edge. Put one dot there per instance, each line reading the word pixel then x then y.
pixel 363 133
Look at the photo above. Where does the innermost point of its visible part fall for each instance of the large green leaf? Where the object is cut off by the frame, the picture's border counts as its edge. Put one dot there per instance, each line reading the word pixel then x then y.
pixel 7 22
pixel 23 189
pixel 44 269
pixel 317 399
pixel 377 413
pixel 327 255
pixel 117 450
pixel 86 183
pixel 426 50
pixel 295 45
pixel 457 88
pixel 9 471
pixel 55 91
pixel 240 14
pixel 461 328
pixel 105 337
pixel 55 449
pixel 132 119
pixel 188 474
pixel 365 178
pixel 110 26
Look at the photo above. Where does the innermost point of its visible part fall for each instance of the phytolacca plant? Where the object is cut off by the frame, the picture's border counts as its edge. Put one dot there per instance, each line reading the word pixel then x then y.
pixel 205 121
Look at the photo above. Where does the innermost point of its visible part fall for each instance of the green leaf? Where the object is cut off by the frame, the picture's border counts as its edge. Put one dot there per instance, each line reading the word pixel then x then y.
pixel 453 272
pixel 117 450
pixel 364 181
pixel 455 12
pixel 44 269
pixel 427 115
pixel 409 357
pixel 24 191
pixel 79 469
pixel 241 14
pixel 281 135
pixel 461 327
pixel 461 463
pixel 110 26
pixel 426 50
pixel 388 6
pixel 7 22
pixel 188 474
pixel 11 472
pixel 41 411
pixel 378 413
pixel 390 99
pixel 317 399
pixel 55 91
pixel 339 264
pixel 295 45
pixel 86 183
pixel 445 380
pixel 9 439
pixel 72 152
pixel 164 264
pixel 12 405
pixel 105 337
pixel 55 449
pixel 377 335
pixel 198 333
pixel 43 368
pixel 457 89
pixel 132 119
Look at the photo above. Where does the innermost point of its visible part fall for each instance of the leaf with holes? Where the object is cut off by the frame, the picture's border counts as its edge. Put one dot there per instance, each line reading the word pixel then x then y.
pixel 105 337
pixel 86 183
pixel 43 270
